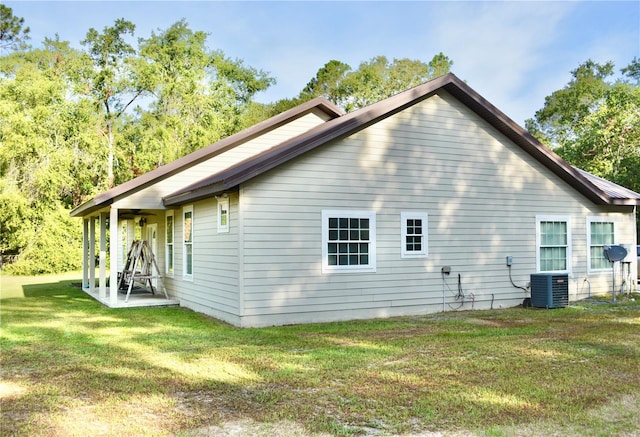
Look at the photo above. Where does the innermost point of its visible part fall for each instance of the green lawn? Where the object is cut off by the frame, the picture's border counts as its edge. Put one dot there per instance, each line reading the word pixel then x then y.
pixel 73 367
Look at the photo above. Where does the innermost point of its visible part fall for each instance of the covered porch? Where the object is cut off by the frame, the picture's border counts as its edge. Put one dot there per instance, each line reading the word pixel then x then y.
pixel 118 231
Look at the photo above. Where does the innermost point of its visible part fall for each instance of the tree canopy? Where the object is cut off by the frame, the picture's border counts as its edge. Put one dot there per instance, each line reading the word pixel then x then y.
pixel 594 122
pixel 74 122
pixel 13 34
pixel 69 127
pixel 373 80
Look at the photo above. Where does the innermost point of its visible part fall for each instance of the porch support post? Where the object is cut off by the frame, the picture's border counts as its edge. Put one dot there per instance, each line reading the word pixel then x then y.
pixel 113 254
pixel 85 253
pixel 92 254
pixel 102 291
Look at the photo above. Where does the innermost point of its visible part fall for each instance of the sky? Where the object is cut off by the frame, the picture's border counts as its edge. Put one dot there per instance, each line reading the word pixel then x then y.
pixel 514 53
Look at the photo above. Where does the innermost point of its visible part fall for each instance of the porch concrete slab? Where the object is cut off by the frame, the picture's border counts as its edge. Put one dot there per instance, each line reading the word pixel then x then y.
pixel 142 298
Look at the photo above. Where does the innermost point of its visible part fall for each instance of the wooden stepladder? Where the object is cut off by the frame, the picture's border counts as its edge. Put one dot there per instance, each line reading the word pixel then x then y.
pixel 141 267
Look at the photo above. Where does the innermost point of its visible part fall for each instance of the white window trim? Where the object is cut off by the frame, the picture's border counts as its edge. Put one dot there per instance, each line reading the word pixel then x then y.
pixel 407 215
pixel 168 214
pixel 554 218
pixel 597 219
pixel 223 204
pixel 185 275
pixel 371 267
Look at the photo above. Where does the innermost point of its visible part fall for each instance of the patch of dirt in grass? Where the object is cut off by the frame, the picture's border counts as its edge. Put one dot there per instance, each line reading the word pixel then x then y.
pixel 247 427
pixel 10 389
pixel 485 322
pixel 619 417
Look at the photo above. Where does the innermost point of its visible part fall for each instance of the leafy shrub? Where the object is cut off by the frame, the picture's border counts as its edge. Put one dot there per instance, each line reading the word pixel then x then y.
pixel 56 246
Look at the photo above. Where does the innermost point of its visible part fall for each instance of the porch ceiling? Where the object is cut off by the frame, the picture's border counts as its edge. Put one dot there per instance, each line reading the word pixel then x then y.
pixel 129 213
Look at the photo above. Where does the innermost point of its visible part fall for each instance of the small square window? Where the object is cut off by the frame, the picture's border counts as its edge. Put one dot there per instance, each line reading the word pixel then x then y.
pixel 414 234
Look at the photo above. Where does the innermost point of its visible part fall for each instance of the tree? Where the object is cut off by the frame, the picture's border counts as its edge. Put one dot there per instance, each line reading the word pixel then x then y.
pixel 566 108
pixel 374 80
pixel 13 34
pixel 327 82
pixel 60 107
pixel 378 79
pixel 110 83
pixel 607 140
pixel 439 65
pixel 197 97
pixel 633 70
pixel 47 157
pixel 594 124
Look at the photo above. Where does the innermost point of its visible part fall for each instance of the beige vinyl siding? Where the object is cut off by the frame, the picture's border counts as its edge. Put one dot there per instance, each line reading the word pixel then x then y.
pixel 151 197
pixel 214 287
pixel 482 194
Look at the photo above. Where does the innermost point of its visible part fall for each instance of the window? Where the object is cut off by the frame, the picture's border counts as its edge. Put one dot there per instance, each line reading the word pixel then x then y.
pixel 414 235
pixel 348 241
pixel 169 243
pixel 187 226
pixel 223 214
pixel 553 240
pixel 600 233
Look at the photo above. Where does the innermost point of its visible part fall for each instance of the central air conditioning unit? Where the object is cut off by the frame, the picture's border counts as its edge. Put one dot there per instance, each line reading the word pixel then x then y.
pixel 549 290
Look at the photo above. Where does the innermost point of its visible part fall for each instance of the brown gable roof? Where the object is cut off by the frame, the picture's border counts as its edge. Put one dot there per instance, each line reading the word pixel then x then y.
pixel 347 124
pixel 108 197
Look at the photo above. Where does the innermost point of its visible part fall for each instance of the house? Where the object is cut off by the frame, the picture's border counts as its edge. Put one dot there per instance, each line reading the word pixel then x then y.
pixel 412 205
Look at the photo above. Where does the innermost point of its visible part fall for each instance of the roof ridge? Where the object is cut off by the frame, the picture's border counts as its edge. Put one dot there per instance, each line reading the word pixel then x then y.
pixel 370 114
pixel 347 123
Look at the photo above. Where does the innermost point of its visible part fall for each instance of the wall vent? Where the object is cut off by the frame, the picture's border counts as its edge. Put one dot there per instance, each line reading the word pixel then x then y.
pixel 549 290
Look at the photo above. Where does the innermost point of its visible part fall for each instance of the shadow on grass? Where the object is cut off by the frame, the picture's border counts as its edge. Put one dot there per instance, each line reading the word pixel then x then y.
pixel 65 354
pixel 58 290
pixel 80 368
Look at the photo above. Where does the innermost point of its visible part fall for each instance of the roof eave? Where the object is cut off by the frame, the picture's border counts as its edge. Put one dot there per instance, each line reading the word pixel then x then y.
pixel 206 192
pixel 90 206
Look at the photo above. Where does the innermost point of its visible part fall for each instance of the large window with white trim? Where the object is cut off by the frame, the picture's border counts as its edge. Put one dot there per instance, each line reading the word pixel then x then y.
pixel 169 252
pixel 553 242
pixel 600 233
pixel 187 226
pixel 414 235
pixel 348 241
